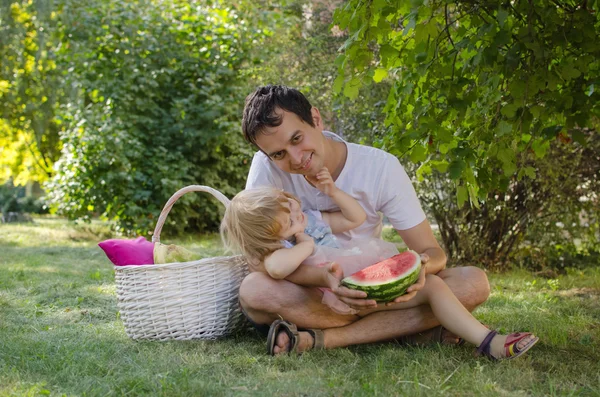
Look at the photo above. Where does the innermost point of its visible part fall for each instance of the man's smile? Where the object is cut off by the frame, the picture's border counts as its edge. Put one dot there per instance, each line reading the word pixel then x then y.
pixel 304 166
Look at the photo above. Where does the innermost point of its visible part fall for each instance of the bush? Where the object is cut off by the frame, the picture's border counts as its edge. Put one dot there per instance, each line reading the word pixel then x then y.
pixel 13 199
pixel 156 108
pixel 552 220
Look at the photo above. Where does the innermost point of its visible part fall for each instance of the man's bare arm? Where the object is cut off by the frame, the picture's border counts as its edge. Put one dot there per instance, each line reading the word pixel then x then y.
pixel 421 239
pixel 433 258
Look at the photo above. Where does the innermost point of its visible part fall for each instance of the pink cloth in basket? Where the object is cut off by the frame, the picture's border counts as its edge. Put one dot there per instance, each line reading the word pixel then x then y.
pixel 129 252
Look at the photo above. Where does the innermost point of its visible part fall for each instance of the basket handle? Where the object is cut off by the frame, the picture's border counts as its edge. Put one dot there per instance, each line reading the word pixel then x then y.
pixel 167 208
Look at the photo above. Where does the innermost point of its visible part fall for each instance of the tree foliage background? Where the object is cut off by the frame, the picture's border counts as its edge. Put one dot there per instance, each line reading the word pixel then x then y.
pixel 475 83
pixel 493 106
pixel 145 100
pixel 480 94
pixel 30 88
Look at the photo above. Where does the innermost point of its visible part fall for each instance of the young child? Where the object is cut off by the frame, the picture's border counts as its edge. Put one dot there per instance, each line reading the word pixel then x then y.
pixel 269 228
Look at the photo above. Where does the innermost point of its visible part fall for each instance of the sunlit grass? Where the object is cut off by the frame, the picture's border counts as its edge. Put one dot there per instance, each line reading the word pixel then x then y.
pixel 60 334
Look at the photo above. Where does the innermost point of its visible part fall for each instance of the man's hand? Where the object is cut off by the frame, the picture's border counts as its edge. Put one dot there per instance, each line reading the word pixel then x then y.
pixel 413 289
pixel 354 299
pixel 323 181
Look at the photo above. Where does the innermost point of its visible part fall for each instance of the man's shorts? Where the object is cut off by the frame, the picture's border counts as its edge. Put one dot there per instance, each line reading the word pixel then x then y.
pixel 263 329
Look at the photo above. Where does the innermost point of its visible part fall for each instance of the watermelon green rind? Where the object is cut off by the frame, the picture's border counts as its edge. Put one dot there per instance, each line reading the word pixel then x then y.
pixel 389 290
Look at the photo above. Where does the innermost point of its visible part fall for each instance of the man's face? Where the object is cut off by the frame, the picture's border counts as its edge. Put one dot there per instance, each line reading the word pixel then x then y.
pixel 294 146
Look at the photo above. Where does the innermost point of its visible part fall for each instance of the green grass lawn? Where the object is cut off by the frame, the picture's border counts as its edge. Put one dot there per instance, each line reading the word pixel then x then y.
pixel 60 335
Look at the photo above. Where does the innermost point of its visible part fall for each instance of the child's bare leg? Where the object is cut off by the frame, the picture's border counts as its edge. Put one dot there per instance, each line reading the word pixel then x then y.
pixel 451 313
pixel 447 309
pixel 455 317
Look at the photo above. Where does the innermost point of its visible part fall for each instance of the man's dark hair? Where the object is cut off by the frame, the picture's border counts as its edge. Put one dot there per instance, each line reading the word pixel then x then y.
pixel 261 105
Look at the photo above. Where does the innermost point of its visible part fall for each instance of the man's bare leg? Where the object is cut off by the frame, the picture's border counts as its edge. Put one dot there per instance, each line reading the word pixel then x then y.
pixel 265 299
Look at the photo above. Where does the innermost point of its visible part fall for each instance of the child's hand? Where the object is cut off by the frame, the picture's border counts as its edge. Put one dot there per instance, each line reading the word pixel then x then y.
pixel 333 276
pixel 323 181
pixel 302 237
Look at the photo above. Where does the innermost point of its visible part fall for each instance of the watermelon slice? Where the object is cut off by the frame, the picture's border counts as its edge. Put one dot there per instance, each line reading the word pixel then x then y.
pixel 388 279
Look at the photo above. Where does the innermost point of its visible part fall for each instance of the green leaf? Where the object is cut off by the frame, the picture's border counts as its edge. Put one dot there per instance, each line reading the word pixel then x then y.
pixel 388 55
pixel 507 156
pixel 473 190
pixel 536 110
pixel 461 195
pixel 569 72
pixel 510 110
pixel 509 168
pixel 540 147
pixel 380 74
pixel 501 16
pixel 412 21
pixel 351 88
pixel 423 170
pixel 421 57
pixel 552 81
pixel 517 88
pixel 378 5
pixel 338 83
pixel 530 172
pixel 418 153
pixel 351 40
pixel 446 147
pixel 503 128
pixel 440 166
pixel 552 131
pixel 445 135
pixel 339 60
pixel 456 168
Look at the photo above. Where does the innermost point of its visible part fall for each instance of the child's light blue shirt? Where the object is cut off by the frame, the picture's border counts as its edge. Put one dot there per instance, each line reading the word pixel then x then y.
pixel 318 229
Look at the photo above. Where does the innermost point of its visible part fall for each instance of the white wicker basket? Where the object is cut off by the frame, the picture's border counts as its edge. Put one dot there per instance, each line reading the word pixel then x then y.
pixel 190 300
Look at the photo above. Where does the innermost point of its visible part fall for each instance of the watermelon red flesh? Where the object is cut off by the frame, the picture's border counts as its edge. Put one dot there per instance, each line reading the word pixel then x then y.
pixel 388 279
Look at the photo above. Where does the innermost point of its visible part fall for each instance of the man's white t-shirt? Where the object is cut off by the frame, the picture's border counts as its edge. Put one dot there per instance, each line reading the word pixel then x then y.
pixel 372 176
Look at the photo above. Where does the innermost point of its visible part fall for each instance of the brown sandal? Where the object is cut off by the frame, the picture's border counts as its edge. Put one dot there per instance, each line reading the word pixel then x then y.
pixel 292 332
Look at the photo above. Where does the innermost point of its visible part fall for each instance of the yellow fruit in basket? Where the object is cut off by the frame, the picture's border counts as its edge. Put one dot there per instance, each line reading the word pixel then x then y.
pixel 172 253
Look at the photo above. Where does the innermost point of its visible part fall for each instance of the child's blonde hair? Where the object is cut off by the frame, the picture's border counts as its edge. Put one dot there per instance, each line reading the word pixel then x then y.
pixel 250 226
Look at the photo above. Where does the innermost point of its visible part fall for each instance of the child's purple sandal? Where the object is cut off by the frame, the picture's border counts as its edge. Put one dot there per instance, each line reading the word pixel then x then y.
pixel 511 348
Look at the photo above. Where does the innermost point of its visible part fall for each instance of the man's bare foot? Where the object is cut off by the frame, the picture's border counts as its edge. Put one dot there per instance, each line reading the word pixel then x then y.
pixel 284 336
pixel 305 342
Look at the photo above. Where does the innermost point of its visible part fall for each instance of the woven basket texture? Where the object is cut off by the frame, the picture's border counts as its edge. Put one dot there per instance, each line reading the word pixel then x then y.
pixel 191 300
pixel 181 301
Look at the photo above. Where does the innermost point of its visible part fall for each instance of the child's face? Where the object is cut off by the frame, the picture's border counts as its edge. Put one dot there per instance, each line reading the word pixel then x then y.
pixel 294 222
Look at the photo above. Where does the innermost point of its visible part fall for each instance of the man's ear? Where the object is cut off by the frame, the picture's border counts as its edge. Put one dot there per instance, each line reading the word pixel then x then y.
pixel 316 115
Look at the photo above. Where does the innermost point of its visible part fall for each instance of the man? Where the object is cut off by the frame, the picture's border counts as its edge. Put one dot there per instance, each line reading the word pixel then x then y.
pixel 293 147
